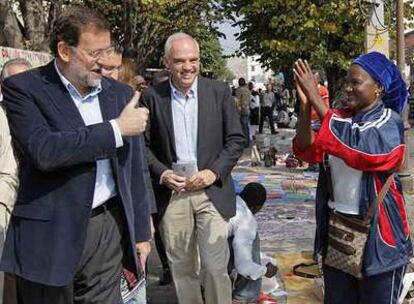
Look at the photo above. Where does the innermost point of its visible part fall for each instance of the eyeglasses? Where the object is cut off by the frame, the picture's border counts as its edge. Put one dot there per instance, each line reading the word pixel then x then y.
pixel 96 54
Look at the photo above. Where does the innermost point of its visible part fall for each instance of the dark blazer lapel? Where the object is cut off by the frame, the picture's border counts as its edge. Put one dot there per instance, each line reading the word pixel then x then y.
pixel 108 102
pixel 166 112
pixel 60 96
pixel 203 114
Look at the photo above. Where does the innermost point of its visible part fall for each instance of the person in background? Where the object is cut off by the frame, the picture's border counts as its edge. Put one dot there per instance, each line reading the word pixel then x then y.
pixel 285 95
pixel 283 118
pixel 127 72
pixel 194 140
pixel 8 175
pixel 324 94
pixel 77 219
pixel 139 83
pixel 113 63
pixel 269 101
pixel 243 96
pixel 364 146
pixel 110 68
pixel 254 109
pixel 244 244
pixel 160 77
pixel 8 164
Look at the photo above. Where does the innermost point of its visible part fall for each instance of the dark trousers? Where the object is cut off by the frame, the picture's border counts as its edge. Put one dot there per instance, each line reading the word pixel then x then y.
pixel 244 120
pixel 98 277
pixel 267 112
pixel 159 245
pixel 342 288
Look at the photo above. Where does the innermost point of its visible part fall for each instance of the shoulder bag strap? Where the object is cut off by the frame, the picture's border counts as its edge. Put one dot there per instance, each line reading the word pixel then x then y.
pixel 380 197
pixel 329 184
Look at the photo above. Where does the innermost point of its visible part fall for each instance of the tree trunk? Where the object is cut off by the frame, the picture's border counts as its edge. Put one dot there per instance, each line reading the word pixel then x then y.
pixel 10 30
pixel 54 11
pixel 35 24
pixel 129 27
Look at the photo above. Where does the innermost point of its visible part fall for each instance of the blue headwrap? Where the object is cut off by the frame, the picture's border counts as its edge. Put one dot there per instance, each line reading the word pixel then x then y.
pixel 387 74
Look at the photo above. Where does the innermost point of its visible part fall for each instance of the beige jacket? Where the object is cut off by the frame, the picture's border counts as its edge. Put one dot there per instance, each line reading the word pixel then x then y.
pixel 8 170
pixel 243 96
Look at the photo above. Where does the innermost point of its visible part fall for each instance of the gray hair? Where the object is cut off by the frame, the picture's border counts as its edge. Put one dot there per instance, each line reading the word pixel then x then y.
pixel 16 61
pixel 176 36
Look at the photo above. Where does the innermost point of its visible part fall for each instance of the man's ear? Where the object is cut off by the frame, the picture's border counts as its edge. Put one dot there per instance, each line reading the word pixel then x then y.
pixel 64 52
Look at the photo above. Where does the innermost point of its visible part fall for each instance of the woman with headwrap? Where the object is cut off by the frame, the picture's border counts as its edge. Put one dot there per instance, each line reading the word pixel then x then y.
pixel 364 145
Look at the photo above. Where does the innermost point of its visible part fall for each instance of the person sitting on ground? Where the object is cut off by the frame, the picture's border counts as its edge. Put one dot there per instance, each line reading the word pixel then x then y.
pixel 283 118
pixel 244 244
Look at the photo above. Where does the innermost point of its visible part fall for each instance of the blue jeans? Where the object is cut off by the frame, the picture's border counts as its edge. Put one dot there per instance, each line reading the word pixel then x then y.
pixel 140 297
pixel 247 289
pixel 244 120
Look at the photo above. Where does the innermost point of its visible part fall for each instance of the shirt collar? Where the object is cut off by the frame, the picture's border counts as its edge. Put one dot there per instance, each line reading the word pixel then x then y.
pixel 191 93
pixel 71 88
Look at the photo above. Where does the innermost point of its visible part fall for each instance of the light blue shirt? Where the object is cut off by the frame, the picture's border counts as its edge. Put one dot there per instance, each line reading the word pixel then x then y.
pixel 185 121
pixel 90 110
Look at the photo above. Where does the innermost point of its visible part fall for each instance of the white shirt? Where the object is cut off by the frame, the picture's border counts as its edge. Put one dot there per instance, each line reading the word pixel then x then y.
pixel 90 110
pixel 185 122
pixel 254 101
pixel 269 99
pixel 346 183
pixel 243 226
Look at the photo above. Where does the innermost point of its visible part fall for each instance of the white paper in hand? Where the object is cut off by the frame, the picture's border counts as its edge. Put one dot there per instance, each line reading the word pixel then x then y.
pixel 185 168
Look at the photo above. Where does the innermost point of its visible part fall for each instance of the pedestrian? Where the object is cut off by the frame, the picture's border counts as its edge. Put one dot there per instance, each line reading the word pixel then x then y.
pixel 324 94
pixel 8 175
pixel 254 109
pixel 112 63
pixel 244 242
pixel 194 140
pixel 83 207
pixel 285 96
pixel 243 97
pixel 362 148
pixel 110 68
pixel 269 101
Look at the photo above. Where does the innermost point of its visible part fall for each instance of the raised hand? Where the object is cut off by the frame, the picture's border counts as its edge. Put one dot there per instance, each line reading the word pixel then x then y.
pixel 302 97
pixel 133 119
pixel 306 80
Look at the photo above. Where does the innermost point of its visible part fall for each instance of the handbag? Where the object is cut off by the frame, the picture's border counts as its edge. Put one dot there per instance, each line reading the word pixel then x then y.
pixel 347 235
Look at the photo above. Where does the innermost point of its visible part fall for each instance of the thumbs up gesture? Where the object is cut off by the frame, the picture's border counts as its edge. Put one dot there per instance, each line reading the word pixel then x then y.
pixel 133 119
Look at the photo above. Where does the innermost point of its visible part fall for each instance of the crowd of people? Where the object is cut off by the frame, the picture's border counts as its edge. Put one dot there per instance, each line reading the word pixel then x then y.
pixel 276 104
pixel 96 161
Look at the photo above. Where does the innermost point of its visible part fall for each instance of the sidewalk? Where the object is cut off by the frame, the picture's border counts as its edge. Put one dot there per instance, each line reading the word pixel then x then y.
pixel 286 232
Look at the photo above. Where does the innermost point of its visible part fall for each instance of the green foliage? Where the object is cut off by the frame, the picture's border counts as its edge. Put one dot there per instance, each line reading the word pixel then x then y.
pixel 327 33
pixel 282 31
pixel 142 26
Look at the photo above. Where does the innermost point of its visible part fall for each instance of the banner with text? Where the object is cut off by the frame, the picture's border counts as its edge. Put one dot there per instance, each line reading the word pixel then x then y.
pixel 35 58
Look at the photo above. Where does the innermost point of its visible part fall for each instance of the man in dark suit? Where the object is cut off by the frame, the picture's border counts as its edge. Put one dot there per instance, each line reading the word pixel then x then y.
pixel 195 129
pixel 83 206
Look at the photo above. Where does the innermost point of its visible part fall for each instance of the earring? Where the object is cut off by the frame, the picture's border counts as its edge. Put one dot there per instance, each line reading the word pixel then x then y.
pixel 377 93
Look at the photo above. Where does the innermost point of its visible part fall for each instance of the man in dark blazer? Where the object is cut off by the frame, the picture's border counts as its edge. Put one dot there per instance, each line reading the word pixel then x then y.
pixel 83 202
pixel 194 128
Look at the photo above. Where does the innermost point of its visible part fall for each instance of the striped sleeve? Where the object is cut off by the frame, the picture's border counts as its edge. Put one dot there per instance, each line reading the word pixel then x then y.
pixel 375 145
